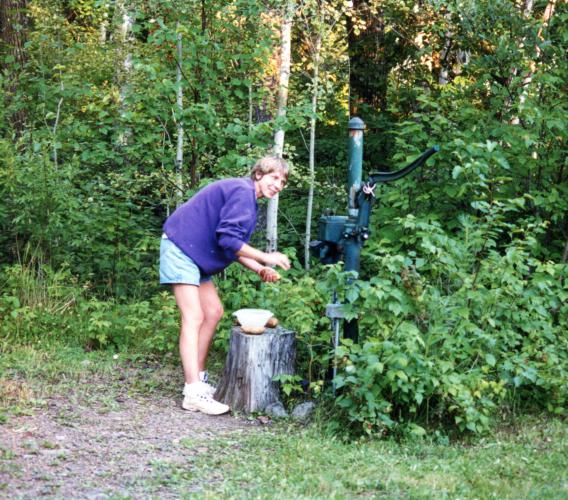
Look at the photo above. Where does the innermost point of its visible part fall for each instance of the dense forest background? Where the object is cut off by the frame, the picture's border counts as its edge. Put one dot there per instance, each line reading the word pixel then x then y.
pixel 115 111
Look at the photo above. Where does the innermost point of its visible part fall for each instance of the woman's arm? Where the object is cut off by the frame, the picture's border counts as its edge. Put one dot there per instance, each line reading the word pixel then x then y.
pixel 251 264
pixel 271 259
pixel 267 274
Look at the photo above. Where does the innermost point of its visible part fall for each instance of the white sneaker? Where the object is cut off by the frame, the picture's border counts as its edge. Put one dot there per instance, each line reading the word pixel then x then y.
pixel 207 388
pixel 197 398
pixel 204 377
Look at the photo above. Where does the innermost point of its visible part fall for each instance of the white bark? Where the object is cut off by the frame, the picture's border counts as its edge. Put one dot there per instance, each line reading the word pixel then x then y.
pixel 179 102
pixel 285 49
pixel 444 73
pixel 127 22
pixel 315 88
pixel 125 31
pixel 103 28
pixel 443 77
pixel 56 123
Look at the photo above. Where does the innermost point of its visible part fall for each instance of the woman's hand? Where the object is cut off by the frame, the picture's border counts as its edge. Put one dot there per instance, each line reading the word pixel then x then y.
pixel 277 259
pixel 246 253
pixel 268 275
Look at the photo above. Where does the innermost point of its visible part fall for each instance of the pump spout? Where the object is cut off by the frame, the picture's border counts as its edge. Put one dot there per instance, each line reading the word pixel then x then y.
pixel 393 176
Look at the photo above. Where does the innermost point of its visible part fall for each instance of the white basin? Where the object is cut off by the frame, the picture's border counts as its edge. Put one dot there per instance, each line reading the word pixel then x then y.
pixel 253 318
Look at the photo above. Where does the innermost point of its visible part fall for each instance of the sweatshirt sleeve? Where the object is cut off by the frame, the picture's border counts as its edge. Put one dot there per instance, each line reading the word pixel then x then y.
pixel 234 222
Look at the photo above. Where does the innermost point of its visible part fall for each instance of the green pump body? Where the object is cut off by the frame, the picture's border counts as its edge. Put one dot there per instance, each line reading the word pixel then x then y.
pixel 341 237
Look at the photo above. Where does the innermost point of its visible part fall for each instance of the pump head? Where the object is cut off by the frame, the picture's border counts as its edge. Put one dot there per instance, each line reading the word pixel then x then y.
pixel 341 237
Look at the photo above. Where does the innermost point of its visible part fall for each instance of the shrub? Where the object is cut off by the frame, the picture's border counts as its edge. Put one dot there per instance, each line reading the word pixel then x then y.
pixel 39 304
pixel 454 331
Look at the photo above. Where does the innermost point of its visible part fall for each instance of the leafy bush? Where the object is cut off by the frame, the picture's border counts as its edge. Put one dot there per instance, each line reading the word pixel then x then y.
pixel 41 305
pixel 454 331
pixel 36 302
pixel 148 326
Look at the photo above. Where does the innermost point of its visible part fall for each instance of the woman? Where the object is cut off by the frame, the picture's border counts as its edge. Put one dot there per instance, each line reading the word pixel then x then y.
pixel 201 238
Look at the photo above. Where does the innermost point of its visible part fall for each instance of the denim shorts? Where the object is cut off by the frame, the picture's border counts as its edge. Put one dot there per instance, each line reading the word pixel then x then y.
pixel 176 267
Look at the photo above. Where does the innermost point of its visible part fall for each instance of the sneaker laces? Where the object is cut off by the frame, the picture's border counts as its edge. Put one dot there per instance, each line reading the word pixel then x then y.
pixel 210 388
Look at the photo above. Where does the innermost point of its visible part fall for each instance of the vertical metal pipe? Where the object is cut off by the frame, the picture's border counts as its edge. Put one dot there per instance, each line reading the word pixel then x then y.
pixel 336 325
pixel 356 127
pixel 352 245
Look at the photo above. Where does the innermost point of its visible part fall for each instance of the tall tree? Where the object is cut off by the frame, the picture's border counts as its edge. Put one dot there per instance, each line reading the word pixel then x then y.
pixel 547 15
pixel 179 102
pixel 319 20
pixel 312 153
pixel 126 37
pixel 285 59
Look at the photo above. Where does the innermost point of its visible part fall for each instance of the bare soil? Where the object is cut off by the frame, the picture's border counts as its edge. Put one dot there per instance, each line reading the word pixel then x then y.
pixel 106 442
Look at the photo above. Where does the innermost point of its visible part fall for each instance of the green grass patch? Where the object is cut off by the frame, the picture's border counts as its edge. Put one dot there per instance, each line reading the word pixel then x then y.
pixel 289 462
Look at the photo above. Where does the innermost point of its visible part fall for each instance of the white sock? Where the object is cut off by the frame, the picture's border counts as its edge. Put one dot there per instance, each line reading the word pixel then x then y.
pixel 204 376
pixel 187 387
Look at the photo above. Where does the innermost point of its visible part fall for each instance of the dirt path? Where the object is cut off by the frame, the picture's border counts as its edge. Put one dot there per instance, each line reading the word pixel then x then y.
pixel 128 446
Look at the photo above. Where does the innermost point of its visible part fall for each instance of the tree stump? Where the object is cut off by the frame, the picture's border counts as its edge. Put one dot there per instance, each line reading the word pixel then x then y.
pixel 252 362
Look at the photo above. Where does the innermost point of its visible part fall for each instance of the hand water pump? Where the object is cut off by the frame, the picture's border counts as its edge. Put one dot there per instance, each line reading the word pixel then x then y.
pixel 341 237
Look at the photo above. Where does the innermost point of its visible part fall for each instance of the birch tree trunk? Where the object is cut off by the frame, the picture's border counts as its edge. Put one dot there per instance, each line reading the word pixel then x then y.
pixel 443 77
pixel 249 114
pixel 179 102
pixel 56 123
pixel 313 120
pixel 285 46
pixel 125 32
pixel 103 28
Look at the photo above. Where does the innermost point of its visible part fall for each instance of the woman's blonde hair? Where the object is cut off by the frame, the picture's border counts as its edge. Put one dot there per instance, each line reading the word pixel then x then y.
pixel 269 164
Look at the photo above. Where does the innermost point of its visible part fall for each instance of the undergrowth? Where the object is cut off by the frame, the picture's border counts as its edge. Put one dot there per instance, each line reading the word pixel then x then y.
pixel 447 344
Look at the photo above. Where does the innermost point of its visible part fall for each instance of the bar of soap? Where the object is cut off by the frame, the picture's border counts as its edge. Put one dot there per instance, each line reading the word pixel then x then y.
pixel 253 330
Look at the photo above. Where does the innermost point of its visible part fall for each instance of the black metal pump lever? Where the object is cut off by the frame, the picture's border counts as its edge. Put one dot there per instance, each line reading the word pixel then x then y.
pixel 393 176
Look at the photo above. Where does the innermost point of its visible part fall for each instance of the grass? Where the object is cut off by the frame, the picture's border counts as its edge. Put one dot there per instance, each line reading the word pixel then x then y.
pixel 284 460
pixel 29 374
pixel 290 462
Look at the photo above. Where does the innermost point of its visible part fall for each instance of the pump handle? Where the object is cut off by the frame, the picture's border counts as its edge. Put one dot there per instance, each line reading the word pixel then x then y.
pixel 393 176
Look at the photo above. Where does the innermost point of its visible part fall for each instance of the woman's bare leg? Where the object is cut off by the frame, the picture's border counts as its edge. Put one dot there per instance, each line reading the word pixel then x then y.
pixel 212 313
pixel 192 318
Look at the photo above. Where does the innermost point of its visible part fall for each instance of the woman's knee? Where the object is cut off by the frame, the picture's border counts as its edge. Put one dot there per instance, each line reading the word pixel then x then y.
pixel 187 299
pixel 192 319
pixel 214 313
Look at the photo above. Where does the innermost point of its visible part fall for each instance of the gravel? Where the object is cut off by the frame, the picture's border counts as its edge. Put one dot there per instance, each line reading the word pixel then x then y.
pixel 128 447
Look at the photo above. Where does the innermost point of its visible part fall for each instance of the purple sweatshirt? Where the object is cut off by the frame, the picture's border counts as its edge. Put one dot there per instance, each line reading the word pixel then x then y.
pixel 212 226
